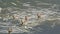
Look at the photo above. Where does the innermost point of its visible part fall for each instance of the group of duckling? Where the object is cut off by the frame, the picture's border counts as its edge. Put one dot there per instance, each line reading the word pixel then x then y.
pixel 26 18
pixel 24 21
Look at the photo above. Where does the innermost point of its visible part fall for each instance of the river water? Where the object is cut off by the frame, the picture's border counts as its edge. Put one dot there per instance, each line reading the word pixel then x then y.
pixel 50 24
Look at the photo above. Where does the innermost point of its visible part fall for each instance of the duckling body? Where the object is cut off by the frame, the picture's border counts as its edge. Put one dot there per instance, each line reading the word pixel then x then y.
pixel 9 30
pixel 26 18
pixel 39 16
pixel 24 21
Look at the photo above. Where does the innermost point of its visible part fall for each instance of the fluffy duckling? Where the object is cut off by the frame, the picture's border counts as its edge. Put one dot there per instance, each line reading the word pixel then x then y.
pixel 39 15
pixel 24 21
pixel 26 18
pixel 21 22
pixel 9 30
pixel 16 17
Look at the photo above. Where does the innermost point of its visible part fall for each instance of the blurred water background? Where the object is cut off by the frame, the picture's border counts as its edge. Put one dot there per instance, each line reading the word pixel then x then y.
pixel 50 24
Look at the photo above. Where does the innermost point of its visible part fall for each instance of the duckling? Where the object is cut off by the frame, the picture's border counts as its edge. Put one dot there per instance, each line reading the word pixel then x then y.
pixel 40 15
pixel 9 30
pixel 26 18
pixel 16 17
pixel 24 21
pixel 21 22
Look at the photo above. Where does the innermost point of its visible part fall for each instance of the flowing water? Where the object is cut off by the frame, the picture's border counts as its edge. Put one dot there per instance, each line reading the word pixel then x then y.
pixel 49 24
